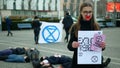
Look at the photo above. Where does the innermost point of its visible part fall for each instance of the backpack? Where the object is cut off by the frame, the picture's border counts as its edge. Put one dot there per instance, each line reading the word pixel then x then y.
pixel 32 54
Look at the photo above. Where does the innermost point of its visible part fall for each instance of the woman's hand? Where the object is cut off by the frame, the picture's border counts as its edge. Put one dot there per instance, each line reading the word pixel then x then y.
pixel 102 45
pixel 75 44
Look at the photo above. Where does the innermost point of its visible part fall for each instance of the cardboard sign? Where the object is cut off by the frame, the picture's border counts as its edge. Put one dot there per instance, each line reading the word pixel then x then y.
pixel 86 53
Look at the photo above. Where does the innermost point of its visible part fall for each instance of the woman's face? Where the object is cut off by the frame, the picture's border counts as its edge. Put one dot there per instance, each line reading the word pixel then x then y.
pixel 87 13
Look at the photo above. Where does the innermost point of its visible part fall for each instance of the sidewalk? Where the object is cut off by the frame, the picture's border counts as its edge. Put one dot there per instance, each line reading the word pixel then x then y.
pixel 24 38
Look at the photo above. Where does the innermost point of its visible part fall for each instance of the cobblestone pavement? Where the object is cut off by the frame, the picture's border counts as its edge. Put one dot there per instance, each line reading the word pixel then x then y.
pixel 24 38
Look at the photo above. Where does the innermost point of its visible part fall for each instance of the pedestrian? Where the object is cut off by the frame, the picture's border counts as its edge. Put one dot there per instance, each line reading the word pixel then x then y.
pixel 8 24
pixel 36 26
pixel 13 50
pixel 86 22
pixel 67 23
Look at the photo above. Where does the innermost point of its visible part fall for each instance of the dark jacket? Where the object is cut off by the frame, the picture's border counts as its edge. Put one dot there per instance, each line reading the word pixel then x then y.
pixel 18 50
pixel 84 26
pixel 8 21
pixel 36 24
pixel 67 21
pixel 32 54
pixel 59 60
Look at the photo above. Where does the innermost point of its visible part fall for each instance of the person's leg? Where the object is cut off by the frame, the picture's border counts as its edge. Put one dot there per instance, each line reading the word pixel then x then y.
pixel 11 33
pixel 67 34
pixel 36 63
pixel 105 64
pixel 37 36
pixel 108 60
pixel 8 29
pixel 3 57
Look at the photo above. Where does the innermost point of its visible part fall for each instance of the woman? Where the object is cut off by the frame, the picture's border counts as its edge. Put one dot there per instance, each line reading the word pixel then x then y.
pixel 86 22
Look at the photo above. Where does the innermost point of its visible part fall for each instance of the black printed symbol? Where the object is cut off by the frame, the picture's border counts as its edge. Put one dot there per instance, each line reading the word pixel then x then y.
pixel 94 59
pixel 84 47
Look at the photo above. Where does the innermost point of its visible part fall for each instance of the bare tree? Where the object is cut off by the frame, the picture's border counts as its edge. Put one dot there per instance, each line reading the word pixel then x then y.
pixel 77 6
pixel 49 8
pixel 14 5
pixel 37 4
pixel 4 4
pixel 56 5
pixel 65 7
pixel 22 5
pixel 36 7
pixel 100 10
pixel 71 7
pixel 29 4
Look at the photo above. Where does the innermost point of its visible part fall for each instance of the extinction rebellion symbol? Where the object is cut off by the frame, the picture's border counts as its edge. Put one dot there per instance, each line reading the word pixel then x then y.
pixel 51 33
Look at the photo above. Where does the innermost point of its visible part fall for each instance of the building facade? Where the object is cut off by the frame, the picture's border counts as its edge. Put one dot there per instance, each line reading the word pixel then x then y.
pixel 53 8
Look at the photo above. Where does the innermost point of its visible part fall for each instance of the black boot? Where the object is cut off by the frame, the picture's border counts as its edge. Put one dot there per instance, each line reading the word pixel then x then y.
pixel 107 62
pixel 11 34
pixel 8 34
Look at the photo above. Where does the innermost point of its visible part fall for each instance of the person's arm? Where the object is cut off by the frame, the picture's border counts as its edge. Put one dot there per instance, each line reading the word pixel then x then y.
pixel 63 22
pixel 72 38
pixel 33 24
pixel 40 24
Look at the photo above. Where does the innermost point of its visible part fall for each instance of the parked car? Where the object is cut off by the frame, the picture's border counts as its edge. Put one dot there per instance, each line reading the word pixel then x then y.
pixel 100 22
pixel 110 24
pixel 74 19
pixel 28 19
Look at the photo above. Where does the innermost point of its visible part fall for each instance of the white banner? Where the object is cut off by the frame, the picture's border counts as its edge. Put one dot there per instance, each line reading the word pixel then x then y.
pixel 86 54
pixel 50 32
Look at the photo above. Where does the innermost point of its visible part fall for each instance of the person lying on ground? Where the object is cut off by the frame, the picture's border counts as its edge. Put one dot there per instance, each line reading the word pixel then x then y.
pixel 56 59
pixel 5 52
pixel 15 58
pixel 43 64
pixel 19 50
pixel 32 53
pixel 47 62
pixel 64 61
pixel 13 50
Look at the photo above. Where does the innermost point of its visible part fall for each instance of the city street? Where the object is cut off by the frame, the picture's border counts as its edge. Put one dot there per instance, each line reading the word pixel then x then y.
pixel 24 38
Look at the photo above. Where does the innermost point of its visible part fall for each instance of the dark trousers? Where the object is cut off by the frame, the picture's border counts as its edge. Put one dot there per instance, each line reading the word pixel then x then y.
pixel 9 30
pixel 36 34
pixel 3 57
pixel 67 34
